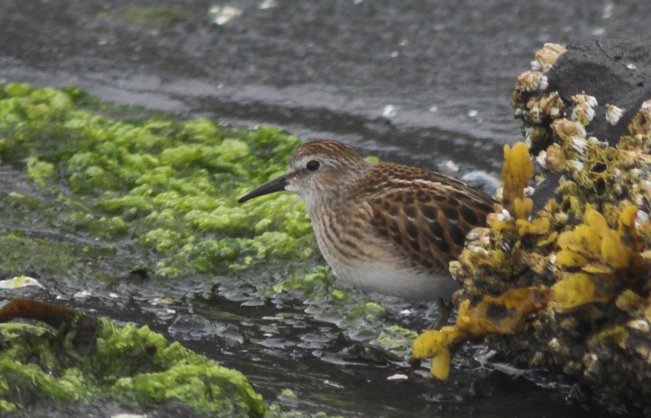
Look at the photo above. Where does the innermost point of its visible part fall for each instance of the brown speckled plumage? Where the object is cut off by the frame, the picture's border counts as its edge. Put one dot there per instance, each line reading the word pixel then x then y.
pixel 385 227
pixel 425 214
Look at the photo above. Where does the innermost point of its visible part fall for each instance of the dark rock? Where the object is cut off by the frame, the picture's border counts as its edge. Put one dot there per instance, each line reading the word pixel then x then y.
pixel 616 72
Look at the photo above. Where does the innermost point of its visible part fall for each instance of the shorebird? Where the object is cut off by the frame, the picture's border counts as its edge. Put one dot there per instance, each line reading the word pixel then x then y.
pixel 385 228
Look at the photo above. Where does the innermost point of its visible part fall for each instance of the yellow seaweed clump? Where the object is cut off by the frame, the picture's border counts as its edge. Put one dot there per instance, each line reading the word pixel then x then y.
pixel 503 314
pixel 600 253
pixel 593 246
pixel 516 173
pixel 500 250
pixel 587 252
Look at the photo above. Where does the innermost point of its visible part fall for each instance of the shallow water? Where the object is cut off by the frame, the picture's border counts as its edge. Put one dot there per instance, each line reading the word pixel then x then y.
pixel 426 83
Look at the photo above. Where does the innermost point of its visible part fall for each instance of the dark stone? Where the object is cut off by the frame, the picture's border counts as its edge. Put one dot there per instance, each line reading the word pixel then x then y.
pixel 545 190
pixel 599 68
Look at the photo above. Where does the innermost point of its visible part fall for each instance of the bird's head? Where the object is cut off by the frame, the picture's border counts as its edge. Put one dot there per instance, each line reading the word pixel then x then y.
pixel 318 170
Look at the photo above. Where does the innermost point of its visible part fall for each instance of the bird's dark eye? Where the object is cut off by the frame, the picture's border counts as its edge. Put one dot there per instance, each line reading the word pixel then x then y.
pixel 312 165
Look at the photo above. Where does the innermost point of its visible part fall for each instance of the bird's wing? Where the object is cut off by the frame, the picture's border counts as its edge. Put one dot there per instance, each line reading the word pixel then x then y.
pixel 426 214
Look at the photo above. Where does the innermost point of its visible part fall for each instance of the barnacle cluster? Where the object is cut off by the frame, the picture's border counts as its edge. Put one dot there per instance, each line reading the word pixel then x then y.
pixel 566 287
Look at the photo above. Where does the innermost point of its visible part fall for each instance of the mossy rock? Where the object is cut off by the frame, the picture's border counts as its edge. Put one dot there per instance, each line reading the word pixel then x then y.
pixel 92 359
pixel 161 189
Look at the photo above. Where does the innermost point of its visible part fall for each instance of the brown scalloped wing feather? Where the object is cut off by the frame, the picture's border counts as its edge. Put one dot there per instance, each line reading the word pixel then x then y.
pixel 426 214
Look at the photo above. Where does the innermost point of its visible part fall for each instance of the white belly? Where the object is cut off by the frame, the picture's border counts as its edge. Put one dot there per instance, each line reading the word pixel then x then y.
pixel 387 275
pixel 406 283
pixel 382 268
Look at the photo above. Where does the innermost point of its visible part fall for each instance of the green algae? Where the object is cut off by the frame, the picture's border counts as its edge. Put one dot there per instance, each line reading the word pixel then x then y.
pixel 23 253
pixel 129 363
pixel 39 171
pixel 370 311
pixel 158 192
pixel 314 281
pixel 168 371
pixel 162 186
pixel 24 365
pixel 396 339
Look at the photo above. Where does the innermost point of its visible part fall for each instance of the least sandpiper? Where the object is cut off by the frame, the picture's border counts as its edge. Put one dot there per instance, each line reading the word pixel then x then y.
pixel 385 228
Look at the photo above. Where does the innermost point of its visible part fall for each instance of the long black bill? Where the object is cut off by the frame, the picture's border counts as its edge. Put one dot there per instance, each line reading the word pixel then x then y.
pixel 275 185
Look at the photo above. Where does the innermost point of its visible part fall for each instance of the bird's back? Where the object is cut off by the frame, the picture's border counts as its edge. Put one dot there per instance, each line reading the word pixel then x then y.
pixel 426 215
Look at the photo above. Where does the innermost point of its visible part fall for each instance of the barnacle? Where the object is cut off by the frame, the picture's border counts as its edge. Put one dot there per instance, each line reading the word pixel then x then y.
pixel 533 104
pixel 613 114
pixel 566 130
pixel 542 109
pixel 545 57
pixel 554 158
pixel 583 111
pixel 526 84
pixel 640 124
pixel 587 253
pixel 530 81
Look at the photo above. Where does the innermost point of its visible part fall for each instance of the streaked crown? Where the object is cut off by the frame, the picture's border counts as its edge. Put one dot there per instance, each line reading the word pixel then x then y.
pixel 323 169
